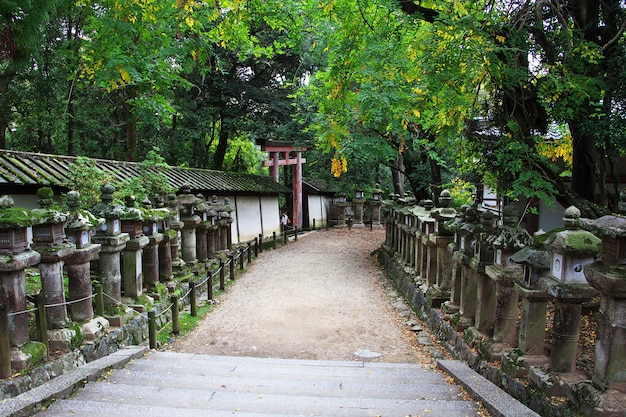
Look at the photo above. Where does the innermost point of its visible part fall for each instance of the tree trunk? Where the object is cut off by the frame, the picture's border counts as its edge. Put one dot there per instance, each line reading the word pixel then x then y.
pixel 222 145
pixel 70 128
pixel 397 174
pixel 585 161
pixel 131 126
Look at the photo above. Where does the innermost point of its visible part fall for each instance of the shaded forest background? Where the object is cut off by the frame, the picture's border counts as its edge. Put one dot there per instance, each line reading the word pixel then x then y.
pixel 526 97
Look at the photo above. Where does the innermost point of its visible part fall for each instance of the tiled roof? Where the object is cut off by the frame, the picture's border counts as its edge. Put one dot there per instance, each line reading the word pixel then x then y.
pixel 24 168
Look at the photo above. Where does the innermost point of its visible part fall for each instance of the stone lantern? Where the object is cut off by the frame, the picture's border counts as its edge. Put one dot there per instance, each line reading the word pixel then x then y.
pixel 454 225
pixel 341 205
pixel 441 238
pixel 428 252
pixel 132 254
pixel 150 256
pixel 48 240
pixel 485 287
pixel 175 226
pixel 359 202
pixel 202 210
pixel 78 229
pixel 569 250
pixel 466 237
pixel 112 241
pixel 508 239
pixel 225 221
pixel 165 250
pixel 213 229
pixel 15 256
pixel 607 275
pixel 376 203
pixel 536 264
pixel 190 222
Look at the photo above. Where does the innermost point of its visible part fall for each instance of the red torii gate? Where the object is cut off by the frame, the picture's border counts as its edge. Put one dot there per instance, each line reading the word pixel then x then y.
pixel 277 149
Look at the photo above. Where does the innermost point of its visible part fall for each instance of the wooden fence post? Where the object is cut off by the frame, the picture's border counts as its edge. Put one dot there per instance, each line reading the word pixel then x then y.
pixel 249 252
pixel 222 279
pixel 175 315
pixel 42 322
pixel 152 332
pixel 192 298
pixel 99 299
pixel 5 345
pixel 209 286
pixel 231 264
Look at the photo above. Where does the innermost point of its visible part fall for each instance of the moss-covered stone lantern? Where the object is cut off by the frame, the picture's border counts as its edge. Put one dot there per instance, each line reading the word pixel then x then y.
pixel 570 250
pixel 113 241
pixel 608 276
pixel 50 231
pixel 15 256
pixel 507 239
pixel 48 240
pixel 14 224
pixel 78 228
pixel 202 210
pixel 132 218
pixel 441 238
pixel 190 220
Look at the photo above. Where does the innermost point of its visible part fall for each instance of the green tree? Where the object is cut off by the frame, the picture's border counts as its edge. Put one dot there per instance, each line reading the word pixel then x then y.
pixel 22 25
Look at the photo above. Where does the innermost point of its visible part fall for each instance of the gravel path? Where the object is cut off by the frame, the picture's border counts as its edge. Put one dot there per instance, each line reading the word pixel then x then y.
pixel 322 297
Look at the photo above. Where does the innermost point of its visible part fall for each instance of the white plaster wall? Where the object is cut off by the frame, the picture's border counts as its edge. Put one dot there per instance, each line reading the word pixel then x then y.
pixel 254 215
pixel 248 222
pixel 318 210
pixel 271 216
pixel 550 217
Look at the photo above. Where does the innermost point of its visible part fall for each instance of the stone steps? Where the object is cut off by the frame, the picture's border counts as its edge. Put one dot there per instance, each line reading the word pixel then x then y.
pixel 179 384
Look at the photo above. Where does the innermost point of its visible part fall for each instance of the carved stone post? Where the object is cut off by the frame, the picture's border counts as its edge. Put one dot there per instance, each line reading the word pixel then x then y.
pixel 48 240
pixel 507 240
pixel 112 241
pixel 607 275
pixel 190 223
pixel 15 256
pixel 78 230
pixel 150 256
pixel 132 255
pixel 570 250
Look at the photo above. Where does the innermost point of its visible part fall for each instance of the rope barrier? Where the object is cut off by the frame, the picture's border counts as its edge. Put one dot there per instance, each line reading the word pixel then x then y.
pixel 17 313
pixel 119 303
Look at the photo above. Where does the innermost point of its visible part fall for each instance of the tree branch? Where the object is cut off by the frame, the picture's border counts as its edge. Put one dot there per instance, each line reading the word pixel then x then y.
pixel 413 9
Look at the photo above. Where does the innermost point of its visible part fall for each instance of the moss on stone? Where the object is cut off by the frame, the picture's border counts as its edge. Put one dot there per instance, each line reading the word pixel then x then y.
pixel 12 217
pixel 36 352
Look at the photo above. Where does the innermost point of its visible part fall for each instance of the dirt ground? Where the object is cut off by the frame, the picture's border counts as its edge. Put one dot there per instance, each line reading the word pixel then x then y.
pixel 322 297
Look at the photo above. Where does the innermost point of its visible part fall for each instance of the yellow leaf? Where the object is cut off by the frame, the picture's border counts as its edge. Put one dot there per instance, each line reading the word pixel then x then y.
pixel 124 75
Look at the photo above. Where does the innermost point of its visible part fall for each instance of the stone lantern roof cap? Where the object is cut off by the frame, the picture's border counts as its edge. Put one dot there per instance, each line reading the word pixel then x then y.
pixel 131 212
pixel 77 217
pixel 572 239
pixel 509 235
pixel 48 212
pixel 610 226
pixel 533 257
pixel 185 197
pixel 580 242
pixel 12 217
pixel 106 207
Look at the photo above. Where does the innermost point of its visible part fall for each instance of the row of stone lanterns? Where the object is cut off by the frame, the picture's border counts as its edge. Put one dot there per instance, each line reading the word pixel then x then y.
pixel 492 265
pixel 136 247
pixel 351 213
